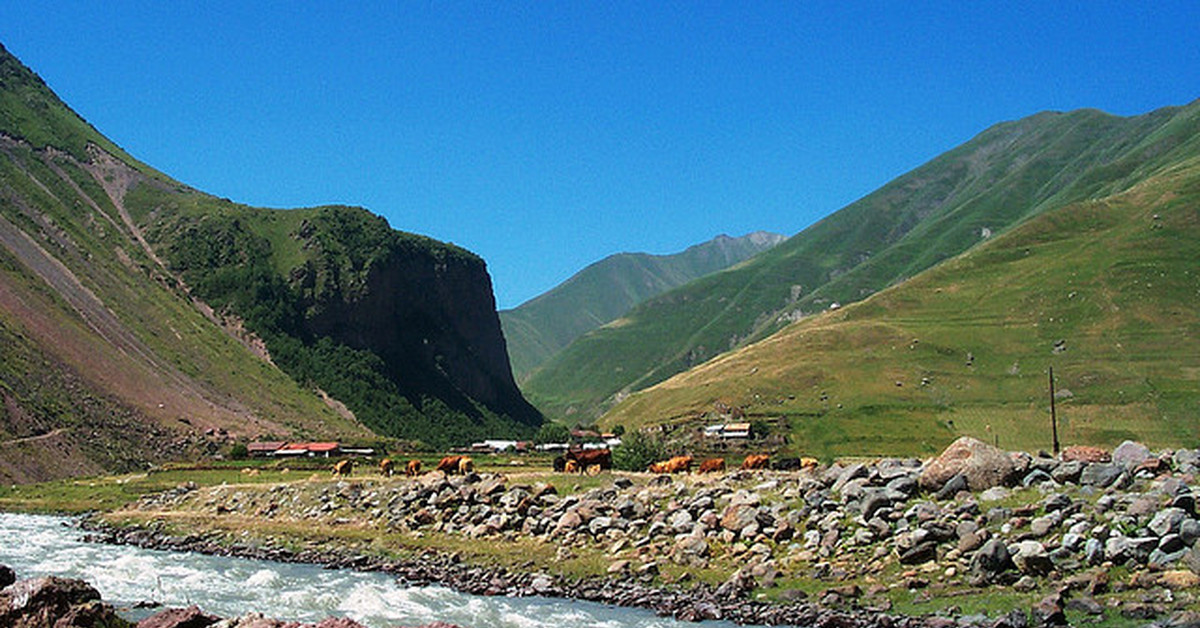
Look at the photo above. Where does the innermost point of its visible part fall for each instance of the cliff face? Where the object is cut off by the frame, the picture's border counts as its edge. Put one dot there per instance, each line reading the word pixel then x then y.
pixel 432 319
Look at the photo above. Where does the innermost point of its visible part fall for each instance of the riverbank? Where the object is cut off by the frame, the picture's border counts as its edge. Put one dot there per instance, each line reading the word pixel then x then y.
pixel 976 537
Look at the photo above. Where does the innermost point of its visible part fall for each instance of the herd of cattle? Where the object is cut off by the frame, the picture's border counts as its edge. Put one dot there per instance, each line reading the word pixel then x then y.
pixel 592 462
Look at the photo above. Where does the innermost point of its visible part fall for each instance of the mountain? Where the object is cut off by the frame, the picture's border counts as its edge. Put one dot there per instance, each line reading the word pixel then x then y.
pixel 1005 175
pixel 1103 291
pixel 143 320
pixel 605 290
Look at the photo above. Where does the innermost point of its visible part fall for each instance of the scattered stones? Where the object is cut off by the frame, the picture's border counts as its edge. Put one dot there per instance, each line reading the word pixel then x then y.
pixel 1056 520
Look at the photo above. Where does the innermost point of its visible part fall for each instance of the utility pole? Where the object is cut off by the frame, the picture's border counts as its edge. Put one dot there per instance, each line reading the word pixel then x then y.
pixel 1053 414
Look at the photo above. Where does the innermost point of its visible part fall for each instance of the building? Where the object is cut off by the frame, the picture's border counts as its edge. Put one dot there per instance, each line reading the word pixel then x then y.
pixel 264 449
pixel 727 431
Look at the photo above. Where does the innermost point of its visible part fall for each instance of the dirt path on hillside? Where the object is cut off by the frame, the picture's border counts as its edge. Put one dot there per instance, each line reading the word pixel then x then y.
pixel 33 439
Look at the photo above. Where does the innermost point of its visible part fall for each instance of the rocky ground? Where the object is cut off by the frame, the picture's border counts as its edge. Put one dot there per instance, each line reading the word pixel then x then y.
pixel 1091 535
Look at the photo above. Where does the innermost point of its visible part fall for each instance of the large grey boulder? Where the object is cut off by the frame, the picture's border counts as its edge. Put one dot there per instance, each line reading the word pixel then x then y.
pixel 1130 454
pixel 982 465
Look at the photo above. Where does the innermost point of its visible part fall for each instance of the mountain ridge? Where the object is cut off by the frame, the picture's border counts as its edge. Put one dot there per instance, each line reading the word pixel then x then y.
pixel 1005 174
pixel 1102 291
pixel 606 289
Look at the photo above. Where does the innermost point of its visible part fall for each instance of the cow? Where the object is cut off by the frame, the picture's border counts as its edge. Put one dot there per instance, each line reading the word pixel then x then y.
pixel 413 468
pixel 343 468
pixel 756 461
pixel 449 464
pixel 795 464
pixel 571 466
pixel 387 467
pixel 560 464
pixel 678 464
pixel 587 458
pixel 712 465
pixel 465 465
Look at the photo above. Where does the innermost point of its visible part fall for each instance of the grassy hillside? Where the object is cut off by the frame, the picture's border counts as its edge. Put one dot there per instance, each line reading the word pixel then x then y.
pixel 1005 175
pixel 1104 291
pixel 603 291
pixel 143 320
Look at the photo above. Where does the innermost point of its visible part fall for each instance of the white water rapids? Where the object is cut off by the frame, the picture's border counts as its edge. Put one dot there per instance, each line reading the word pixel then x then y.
pixel 39 545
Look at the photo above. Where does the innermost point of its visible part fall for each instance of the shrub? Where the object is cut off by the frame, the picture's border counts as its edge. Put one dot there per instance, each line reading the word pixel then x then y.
pixel 638 451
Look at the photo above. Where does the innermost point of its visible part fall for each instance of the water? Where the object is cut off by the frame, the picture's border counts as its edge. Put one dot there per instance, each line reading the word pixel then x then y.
pixel 40 545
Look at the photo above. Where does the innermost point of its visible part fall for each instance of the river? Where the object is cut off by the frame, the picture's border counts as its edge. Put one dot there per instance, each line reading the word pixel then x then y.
pixel 43 545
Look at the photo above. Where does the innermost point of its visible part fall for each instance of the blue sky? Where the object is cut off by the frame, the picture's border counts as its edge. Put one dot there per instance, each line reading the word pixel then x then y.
pixel 545 136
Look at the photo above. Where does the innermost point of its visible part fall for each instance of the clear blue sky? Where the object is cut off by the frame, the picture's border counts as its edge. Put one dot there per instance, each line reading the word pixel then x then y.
pixel 544 136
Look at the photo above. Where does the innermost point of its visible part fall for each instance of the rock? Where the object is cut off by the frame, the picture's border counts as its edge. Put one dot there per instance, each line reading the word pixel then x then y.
pixel 1100 474
pixel 1015 618
pixel 617 567
pixel 1167 521
pixel 1049 612
pixel 991 560
pixel 738 516
pixel 691 550
pixel 952 487
pixel 983 466
pixel 1084 453
pixel 1031 558
pixel 54 601
pixel 1067 472
pixel 190 617
pixel 7 576
pixel 920 553
pixel 1179 579
pixel 1130 454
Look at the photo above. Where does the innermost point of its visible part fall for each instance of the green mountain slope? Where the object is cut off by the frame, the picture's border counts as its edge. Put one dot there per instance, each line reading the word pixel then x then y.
pixel 603 291
pixel 1003 176
pixel 142 320
pixel 1105 292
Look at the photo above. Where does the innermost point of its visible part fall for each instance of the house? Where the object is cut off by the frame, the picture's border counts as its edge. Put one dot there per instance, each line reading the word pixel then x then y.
pixel 263 449
pixel 312 450
pixel 726 431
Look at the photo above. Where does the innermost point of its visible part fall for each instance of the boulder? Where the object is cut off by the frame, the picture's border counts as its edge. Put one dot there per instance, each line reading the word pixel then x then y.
pixel 991 560
pixel 54 601
pixel 7 576
pixel 1049 612
pixel 982 465
pixel 1100 474
pixel 1130 454
pixel 1084 453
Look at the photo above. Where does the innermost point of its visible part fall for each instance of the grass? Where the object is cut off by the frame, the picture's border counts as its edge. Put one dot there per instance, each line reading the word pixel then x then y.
pixel 891 375
pixel 997 181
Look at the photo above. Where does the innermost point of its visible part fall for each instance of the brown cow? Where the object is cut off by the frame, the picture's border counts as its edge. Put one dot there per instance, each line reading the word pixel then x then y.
pixel 465 465
pixel 449 464
pixel 678 464
pixel 756 461
pixel 413 468
pixel 590 457
pixel 387 467
pixel 712 465
pixel 571 467
pixel 343 468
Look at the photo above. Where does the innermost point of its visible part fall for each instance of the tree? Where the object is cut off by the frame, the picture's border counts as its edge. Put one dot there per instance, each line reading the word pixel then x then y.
pixel 638 451
pixel 552 433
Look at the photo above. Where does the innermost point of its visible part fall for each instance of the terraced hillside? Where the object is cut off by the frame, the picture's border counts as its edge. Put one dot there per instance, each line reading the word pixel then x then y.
pixel 1002 177
pixel 1103 291
pixel 604 291
pixel 142 320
